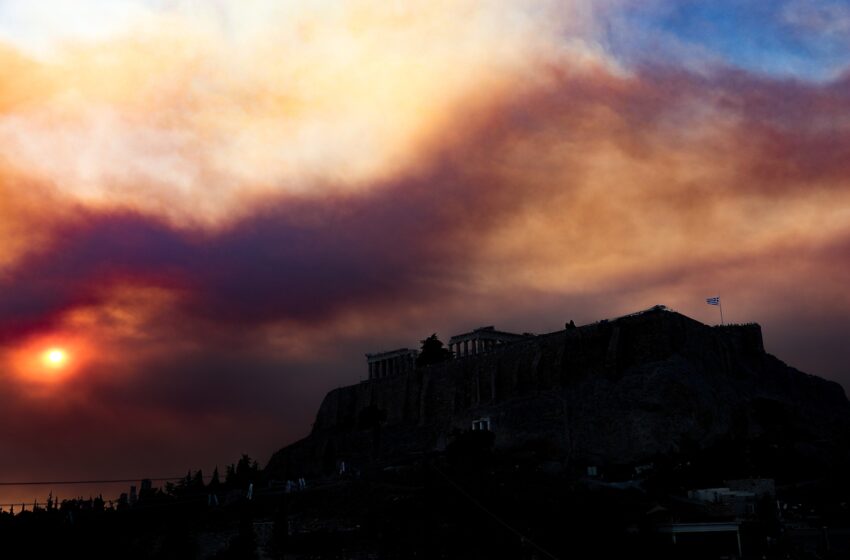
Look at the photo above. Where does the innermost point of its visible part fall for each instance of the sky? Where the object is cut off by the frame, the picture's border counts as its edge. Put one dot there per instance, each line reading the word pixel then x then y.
pixel 212 210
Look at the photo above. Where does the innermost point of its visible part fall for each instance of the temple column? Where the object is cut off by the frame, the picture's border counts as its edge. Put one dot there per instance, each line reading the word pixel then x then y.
pixel 371 370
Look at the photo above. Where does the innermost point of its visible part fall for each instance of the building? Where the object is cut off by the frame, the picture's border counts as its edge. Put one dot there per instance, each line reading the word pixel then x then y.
pixel 393 362
pixel 760 487
pixel 726 502
pixel 403 360
pixel 481 340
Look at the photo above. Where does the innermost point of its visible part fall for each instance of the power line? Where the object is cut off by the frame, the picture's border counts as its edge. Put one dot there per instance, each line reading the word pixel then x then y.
pixel 68 482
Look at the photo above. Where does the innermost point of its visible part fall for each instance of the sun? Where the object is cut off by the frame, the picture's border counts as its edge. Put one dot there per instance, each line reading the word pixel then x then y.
pixel 48 360
pixel 55 358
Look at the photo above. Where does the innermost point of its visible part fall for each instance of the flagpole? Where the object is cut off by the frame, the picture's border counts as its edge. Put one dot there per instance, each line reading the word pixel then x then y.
pixel 720 304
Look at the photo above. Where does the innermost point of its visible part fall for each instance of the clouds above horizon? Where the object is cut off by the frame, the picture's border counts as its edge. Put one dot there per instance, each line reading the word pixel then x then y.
pixel 220 219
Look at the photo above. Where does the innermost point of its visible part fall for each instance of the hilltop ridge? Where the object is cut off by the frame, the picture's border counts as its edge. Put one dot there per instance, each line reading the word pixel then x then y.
pixel 617 391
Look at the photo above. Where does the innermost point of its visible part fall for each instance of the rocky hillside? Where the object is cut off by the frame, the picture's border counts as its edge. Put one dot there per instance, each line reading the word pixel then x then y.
pixel 613 392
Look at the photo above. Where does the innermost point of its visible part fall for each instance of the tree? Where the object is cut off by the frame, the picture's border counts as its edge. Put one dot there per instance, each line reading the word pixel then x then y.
pixel 215 483
pixel 230 476
pixel 432 352
pixel 243 473
pixel 197 484
pixel 182 485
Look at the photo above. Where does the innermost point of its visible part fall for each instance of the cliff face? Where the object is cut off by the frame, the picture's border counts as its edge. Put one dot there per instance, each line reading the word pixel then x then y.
pixel 616 391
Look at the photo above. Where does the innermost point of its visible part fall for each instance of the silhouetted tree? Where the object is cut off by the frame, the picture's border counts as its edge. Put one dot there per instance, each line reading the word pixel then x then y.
pixel 230 476
pixel 241 474
pixel 185 483
pixel 197 485
pixel 432 352
pixel 215 481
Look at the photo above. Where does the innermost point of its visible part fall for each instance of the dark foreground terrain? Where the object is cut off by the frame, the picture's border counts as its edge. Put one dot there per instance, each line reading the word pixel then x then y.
pixel 650 435
pixel 467 502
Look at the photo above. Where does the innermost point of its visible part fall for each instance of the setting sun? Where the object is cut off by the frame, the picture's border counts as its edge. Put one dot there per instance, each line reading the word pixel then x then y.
pixel 46 360
pixel 55 357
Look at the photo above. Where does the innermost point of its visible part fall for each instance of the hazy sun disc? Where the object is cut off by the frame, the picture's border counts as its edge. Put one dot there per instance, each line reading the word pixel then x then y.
pixel 47 360
pixel 55 357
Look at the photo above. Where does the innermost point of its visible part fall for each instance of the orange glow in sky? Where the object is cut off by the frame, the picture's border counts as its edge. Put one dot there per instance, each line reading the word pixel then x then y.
pixel 48 360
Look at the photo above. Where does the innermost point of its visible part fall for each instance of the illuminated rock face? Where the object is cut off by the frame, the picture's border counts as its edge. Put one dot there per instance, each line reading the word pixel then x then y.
pixel 613 392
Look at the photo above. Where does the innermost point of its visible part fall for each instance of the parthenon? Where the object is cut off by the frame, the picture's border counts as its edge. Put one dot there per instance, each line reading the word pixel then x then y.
pixel 403 360
pixel 481 340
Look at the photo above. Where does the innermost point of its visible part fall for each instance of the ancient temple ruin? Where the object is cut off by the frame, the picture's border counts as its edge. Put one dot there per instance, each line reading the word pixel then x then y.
pixel 481 340
pixel 473 343
pixel 392 362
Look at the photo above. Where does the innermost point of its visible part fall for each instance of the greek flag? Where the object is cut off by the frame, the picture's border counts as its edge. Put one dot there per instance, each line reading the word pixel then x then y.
pixel 713 301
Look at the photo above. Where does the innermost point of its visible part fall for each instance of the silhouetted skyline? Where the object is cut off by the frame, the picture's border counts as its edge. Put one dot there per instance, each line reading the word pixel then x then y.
pixel 209 213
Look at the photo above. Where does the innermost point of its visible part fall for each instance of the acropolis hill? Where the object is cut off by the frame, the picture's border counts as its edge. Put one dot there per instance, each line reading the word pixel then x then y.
pixel 618 391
